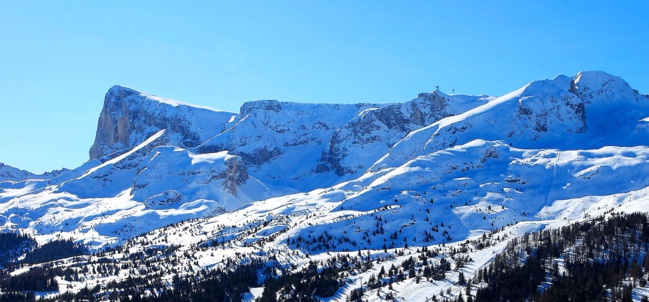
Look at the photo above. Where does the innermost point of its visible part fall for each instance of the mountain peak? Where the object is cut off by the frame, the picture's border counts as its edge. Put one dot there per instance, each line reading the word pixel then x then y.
pixel 117 88
pixel 596 76
pixel 599 84
pixel 129 117
pixel 260 105
pixel 10 173
pixel 119 92
pixel 433 94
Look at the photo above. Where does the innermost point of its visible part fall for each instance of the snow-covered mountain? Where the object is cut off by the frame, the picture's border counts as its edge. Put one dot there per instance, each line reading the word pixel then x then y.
pixel 129 117
pixel 9 173
pixel 292 182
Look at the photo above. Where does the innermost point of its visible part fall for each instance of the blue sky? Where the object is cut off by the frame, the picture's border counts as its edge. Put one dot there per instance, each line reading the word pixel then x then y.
pixel 58 58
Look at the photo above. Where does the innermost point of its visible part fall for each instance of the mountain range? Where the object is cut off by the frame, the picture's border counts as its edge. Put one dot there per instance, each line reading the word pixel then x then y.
pixel 290 183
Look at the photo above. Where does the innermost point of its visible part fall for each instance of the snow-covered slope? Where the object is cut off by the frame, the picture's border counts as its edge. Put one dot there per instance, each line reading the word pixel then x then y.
pixel 367 137
pixel 589 110
pixel 9 173
pixel 283 143
pixel 286 182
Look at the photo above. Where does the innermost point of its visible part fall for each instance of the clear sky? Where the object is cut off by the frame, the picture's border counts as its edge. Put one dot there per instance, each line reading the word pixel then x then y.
pixel 58 58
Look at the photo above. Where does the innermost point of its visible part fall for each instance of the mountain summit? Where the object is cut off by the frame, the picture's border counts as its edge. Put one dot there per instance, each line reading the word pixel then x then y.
pixel 129 117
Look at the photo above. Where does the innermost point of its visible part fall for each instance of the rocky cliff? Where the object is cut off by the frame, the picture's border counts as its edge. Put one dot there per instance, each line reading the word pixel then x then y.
pixel 129 117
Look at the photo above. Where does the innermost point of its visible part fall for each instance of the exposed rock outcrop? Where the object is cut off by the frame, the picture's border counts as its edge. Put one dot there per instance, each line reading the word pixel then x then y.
pixel 128 117
pixel 286 136
pixel 364 139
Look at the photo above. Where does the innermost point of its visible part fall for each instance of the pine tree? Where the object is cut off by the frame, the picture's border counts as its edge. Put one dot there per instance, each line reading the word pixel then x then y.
pixel 461 280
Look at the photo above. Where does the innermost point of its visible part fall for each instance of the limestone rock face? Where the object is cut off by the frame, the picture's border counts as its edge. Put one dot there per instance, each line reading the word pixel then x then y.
pixel 129 117
pixel 364 139
pixel 279 141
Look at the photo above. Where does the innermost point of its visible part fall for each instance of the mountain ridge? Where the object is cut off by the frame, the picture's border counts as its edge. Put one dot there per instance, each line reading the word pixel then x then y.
pixel 286 183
